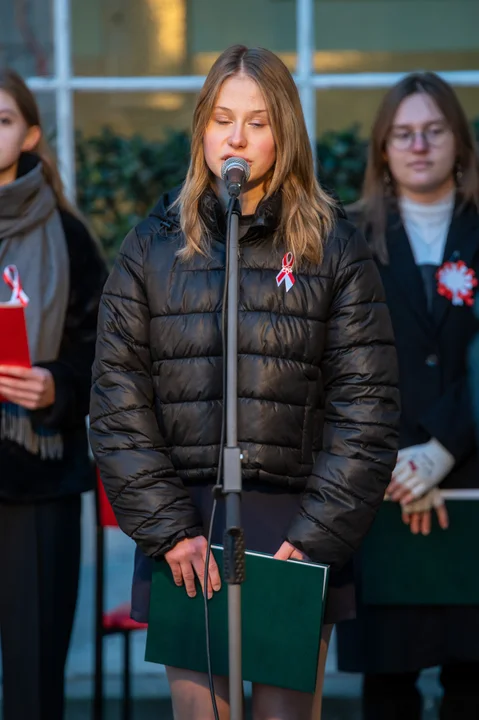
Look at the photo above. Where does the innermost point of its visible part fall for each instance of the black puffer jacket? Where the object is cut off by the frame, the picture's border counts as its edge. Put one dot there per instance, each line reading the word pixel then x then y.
pixel 317 379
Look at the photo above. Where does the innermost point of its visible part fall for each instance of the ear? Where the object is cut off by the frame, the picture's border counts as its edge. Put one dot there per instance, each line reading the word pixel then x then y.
pixel 32 138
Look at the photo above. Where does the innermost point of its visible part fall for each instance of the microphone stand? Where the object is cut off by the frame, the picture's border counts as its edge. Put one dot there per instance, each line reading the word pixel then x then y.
pixel 234 555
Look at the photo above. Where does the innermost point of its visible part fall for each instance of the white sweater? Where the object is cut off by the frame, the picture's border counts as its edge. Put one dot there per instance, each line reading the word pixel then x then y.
pixel 427 226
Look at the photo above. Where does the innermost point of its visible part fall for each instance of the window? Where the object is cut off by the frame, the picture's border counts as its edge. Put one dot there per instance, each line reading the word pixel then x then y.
pixel 151 114
pixel 174 37
pixel 353 36
pixel 137 64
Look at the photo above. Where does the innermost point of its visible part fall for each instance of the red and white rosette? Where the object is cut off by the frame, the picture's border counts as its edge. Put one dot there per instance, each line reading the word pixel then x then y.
pixel 286 273
pixel 12 278
pixel 455 281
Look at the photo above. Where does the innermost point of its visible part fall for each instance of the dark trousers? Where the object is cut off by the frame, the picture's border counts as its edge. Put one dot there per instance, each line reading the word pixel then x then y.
pixel 39 569
pixel 396 697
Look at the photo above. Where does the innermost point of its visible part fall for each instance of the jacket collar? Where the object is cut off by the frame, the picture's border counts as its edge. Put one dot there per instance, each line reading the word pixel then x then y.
pixel 266 217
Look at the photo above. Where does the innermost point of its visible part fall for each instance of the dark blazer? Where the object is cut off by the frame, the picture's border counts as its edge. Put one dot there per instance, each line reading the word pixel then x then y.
pixel 432 347
pixel 436 402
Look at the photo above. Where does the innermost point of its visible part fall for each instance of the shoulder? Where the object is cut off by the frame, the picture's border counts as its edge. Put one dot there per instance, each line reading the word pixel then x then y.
pixel 87 265
pixel 75 229
pixel 160 228
pixel 346 245
pixel 79 239
pixel 355 213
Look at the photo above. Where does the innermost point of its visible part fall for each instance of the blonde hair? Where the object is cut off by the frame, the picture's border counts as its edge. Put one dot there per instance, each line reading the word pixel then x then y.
pixel 307 211
pixel 15 86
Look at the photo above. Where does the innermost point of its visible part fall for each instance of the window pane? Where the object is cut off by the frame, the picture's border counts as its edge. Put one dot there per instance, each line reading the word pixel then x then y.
pixel 26 36
pixel 152 115
pixel 174 37
pixel 396 35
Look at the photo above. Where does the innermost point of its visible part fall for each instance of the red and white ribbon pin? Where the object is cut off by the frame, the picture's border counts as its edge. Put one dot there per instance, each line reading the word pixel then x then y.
pixel 286 274
pixel 12 278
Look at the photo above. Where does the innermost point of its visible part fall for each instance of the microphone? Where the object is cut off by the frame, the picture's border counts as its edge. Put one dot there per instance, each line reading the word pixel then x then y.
pixel 235 173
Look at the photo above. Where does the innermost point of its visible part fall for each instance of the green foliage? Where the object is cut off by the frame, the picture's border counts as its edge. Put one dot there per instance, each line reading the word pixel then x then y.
pixel 341 162
pixel 119 179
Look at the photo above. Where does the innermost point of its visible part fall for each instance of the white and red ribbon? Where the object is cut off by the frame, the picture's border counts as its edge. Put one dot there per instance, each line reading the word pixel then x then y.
pixel 455 281
pixel 12 278
pixel 286 273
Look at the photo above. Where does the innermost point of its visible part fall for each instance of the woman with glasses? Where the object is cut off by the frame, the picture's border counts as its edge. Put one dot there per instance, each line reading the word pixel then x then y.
pixel 419 209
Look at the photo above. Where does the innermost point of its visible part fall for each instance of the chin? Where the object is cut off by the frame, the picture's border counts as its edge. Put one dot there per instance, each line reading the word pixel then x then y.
pixel 425 185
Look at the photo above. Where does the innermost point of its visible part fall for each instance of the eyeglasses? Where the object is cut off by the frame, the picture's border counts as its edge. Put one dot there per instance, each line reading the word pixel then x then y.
pixel 432 136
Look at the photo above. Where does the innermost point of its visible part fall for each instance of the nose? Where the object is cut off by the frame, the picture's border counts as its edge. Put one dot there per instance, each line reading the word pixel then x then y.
pixel 419 143
pixel 237 138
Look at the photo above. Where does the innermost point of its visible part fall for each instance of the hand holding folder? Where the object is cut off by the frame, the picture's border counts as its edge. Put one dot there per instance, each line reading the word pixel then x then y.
pixel 282 612
pixel 399 568
pixel 14 350
pixel 187 559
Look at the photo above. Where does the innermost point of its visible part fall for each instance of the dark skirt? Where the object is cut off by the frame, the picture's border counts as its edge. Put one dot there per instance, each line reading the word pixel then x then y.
pixel 404 639
pixel 265 517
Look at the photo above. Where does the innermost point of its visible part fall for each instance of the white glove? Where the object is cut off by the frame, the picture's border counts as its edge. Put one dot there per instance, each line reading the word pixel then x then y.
pixel 420 468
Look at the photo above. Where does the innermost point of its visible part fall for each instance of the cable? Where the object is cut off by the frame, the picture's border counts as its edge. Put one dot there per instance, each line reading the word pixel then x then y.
pixel 220 464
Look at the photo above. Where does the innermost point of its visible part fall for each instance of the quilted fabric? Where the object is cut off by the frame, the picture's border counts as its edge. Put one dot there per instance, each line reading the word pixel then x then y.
pixel 317 382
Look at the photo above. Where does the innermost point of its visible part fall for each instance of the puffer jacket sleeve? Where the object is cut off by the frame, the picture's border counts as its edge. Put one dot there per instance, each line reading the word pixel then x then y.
pixel 360 434
pixel 149 500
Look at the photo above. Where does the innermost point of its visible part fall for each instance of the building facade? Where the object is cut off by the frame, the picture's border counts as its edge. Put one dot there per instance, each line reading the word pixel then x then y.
pixel 137 65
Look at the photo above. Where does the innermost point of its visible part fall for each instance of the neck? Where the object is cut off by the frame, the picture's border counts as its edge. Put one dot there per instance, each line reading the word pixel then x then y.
pixel 429 196
pixel 8 175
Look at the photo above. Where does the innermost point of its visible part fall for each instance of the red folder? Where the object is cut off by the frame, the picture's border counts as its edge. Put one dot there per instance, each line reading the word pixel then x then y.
pixel 14 348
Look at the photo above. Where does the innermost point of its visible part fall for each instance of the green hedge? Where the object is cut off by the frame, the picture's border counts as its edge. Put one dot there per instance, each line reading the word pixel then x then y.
pixel 119 179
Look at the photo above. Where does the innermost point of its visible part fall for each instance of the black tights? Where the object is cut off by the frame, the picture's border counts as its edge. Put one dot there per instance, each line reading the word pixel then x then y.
pixel 39 568
pixel 396 697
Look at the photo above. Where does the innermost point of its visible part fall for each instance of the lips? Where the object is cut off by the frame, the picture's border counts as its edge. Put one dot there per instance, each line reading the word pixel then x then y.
pixel 227 157
pixel 420 165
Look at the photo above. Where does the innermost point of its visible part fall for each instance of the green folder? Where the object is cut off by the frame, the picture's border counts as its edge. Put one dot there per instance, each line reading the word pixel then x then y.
pixel 282 612
pixel 399 568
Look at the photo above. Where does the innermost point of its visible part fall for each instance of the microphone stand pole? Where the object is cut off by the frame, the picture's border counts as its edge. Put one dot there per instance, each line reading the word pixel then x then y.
pixel 234 558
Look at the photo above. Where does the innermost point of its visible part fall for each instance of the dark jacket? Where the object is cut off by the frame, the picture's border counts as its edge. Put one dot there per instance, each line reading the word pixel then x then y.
pixel 432 347
pixel 317 375
pixel 25 477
